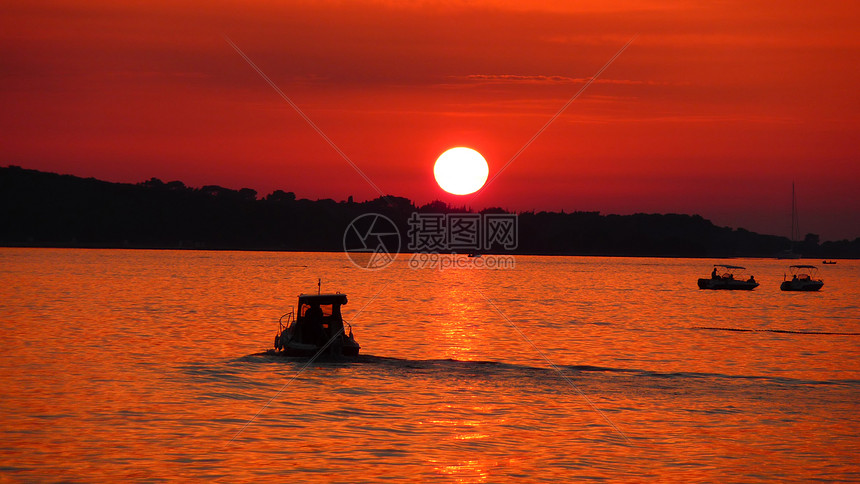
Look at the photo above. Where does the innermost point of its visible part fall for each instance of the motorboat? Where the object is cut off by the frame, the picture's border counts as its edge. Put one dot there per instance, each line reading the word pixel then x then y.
pixel 803 278
pixel 828 262
pixel 788 254
pixel 316 326
pixel 728 277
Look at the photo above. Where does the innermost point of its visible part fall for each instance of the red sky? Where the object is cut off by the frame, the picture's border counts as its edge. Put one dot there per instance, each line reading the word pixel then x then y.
pixel 714 109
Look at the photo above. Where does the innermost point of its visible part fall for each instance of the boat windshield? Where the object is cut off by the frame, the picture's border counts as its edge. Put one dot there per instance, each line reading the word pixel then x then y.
pixel 327 309
pixel 320 305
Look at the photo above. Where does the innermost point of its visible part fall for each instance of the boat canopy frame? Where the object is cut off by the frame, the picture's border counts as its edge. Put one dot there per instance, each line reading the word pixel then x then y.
pixel 730 267
pixel 803 271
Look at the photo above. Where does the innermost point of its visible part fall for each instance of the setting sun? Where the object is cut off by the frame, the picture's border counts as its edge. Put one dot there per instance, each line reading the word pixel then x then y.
pixel 461 171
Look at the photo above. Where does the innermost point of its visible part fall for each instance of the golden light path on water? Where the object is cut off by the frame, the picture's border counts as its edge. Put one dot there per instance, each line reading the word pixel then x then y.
pixel 142 365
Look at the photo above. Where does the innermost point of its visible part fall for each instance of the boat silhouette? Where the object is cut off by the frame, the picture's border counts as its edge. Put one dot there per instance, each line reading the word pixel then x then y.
pixel 727 277
pixel 316 327
pixel 803 278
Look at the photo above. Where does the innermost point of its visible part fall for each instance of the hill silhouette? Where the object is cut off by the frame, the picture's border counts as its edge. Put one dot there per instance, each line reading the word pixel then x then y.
pixel 51 210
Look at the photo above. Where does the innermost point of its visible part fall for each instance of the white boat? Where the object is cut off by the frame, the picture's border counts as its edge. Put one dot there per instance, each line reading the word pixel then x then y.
pixel 803 278
pixel 728 277
pixel 316 326
pixel 788 254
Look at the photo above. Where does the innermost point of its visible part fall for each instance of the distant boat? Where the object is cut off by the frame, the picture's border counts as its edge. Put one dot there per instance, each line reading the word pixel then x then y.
pixel 795 230
pixel 728 277
pixel 788 254
pixel 475 254
pixel 803 278
pixel 828 262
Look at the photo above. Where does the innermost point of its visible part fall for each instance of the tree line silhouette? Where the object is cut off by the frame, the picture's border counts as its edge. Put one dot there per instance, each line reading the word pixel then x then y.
pixel 51 210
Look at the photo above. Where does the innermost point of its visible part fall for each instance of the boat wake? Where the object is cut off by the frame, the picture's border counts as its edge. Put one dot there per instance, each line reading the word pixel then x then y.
pixel 522 373
pixel 768 330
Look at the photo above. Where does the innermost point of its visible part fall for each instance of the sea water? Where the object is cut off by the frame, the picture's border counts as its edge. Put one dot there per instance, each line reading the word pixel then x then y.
pixel 152 365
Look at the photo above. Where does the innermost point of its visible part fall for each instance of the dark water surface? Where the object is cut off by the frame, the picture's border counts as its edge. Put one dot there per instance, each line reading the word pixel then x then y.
pixel 149 365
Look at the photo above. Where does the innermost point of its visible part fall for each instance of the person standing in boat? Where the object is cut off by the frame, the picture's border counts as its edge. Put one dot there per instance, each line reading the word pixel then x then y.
pixel 314 325
pixel 335 325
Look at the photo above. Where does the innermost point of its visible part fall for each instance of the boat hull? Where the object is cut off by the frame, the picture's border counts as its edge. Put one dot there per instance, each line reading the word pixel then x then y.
pixel 348 348
pixel 801 285
pixel 727 284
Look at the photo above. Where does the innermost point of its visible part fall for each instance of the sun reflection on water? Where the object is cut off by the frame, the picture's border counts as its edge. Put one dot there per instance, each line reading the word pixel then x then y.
pixel 463 330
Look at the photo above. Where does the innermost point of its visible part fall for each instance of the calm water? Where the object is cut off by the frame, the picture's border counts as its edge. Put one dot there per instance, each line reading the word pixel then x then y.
pixel 146 365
